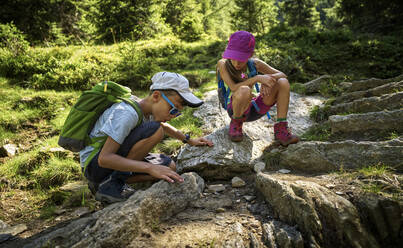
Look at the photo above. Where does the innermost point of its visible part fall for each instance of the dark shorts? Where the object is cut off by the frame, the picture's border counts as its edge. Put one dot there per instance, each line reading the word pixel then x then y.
pixel 97 174
pixel 250 113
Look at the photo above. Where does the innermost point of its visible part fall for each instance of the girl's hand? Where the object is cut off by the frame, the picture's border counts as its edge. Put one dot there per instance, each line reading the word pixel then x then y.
pixel 200 142
pixel 267 82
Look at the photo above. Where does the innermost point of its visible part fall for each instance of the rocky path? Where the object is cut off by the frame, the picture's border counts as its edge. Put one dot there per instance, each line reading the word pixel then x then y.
pixel 255 194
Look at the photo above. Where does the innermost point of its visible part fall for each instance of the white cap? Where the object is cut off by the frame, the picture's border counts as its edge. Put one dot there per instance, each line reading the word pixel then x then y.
pixel 174 81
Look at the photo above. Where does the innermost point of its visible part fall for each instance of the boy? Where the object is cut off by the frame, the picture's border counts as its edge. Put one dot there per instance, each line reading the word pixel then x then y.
pixel 125 158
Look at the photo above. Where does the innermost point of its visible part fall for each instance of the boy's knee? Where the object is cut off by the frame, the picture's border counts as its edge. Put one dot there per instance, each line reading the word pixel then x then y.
pixel 172 165
pixel 243 93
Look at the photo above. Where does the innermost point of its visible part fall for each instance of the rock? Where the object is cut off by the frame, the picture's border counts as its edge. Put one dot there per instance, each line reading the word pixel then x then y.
pixel 3 225
pixel 8 150
pixel 378 91
pixel 372 83
pixel 249 197
pixel 330 186
pixel 284 171
pixel 370 104
pixel 254 242
pixel 315 85
pixel 118 224
pixel 74 186
pixel 315 156
pixel 215 188
pixel 213 202
pixel 324 218
pixel 277 234
pixel 227 159
pixel 14 230
pixel 81 211
pixel 220 210
pixel 237 182
pixel 259 167
pixel 360 123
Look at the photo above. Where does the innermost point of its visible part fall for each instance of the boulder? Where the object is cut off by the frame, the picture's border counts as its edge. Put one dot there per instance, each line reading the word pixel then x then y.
pixel 118 224
pixel 378 91
pixel 318 157
pixel 324 218
pixel 372 83
pixel 227 159
pixel 315 85
pixel 377 121
pixel 277 234
pixel 370 104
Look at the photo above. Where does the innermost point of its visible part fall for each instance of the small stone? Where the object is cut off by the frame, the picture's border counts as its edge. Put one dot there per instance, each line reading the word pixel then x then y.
pixel 220 210
pixel 275 150
pixel 237 182
pixel 14 230
pixel 330 186
pixel 215 188
pixel 8 150
pixel 238 201
pixel 59 211
pixel 284 171
pixel 259 167
pixel 339 193
pixel 219 217
pixel 249 197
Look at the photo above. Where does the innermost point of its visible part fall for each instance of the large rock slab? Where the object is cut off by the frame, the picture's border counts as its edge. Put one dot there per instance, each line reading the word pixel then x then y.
pixel 324 218
pixel 317 157
pixel 118 224
pixel 372 83
pixel 370 104
pixel 315 85
pixel 377 91
pixel 378 121
pixel 227 159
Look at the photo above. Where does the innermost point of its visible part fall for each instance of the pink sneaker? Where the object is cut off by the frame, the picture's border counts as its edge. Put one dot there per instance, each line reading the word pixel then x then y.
pixel 235 129
pixel 283 135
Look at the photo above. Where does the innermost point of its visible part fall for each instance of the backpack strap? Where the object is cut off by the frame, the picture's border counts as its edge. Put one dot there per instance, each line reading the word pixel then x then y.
pixel 253 72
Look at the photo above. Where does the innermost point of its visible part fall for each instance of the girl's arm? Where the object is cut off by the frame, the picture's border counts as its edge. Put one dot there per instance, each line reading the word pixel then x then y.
pixel 264 68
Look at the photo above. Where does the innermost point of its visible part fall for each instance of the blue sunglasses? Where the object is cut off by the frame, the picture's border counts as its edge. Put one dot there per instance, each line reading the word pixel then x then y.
pixel 174 111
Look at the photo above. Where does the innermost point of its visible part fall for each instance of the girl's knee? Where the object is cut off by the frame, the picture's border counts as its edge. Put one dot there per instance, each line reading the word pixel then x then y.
pixel 283 83
pixel 172 165
pixel 242 93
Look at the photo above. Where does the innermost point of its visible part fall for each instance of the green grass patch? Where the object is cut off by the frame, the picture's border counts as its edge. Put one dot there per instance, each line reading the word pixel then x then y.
pixel 375 170
pixel 318 132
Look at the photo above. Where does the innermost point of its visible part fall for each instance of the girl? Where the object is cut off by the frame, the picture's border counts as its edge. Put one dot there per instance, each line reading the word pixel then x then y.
pixel 233 69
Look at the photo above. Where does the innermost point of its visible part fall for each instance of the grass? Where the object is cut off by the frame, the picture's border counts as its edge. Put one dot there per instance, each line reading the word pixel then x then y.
pixel 318 132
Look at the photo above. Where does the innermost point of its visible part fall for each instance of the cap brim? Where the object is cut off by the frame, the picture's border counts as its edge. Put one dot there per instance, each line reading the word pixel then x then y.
pixel 236 55
pixel 190 99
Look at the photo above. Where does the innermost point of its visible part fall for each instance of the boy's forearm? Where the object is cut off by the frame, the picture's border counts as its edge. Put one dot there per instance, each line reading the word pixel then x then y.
pixel 172 131
pixel 116 162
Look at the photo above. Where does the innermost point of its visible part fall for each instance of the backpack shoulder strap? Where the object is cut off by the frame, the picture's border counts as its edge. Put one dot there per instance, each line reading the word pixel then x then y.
pixel 136 107
pixel 252 68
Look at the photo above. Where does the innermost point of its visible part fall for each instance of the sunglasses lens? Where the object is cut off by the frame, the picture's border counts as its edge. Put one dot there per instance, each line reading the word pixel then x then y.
pixel 174 111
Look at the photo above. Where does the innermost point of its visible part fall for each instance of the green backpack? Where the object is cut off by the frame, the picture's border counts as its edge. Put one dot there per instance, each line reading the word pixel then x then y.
pixel 88 108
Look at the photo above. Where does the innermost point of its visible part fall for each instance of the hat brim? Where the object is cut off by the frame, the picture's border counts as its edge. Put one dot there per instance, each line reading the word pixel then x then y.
pixel 190 99
pixel 236 55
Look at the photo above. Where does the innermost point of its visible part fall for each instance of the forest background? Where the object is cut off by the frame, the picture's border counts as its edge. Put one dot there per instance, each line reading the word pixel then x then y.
pixel 51 50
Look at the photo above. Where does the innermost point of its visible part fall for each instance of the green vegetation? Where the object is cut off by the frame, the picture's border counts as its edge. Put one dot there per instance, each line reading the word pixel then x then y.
pixel 319 132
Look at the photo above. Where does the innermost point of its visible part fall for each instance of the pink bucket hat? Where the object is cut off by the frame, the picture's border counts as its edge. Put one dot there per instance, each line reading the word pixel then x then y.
pixel 240 46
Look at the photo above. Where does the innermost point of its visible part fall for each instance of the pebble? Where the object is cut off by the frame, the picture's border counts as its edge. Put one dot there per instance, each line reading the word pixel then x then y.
pixel 249 197
pixel 284 171
pixel 259 167
pixel 330 186
pixel 339 193
pixel 215 188
pixel 220 210
pixel 237 182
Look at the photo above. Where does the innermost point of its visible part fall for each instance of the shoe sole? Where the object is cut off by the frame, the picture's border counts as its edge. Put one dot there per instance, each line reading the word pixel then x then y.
pixel 107 198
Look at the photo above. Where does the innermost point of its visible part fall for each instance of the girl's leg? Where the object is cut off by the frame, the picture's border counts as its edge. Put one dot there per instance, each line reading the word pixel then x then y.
pixel 281 95
pixel 241 101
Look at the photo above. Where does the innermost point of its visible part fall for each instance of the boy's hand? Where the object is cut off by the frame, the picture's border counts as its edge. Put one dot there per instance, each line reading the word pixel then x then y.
pixel 164 172
pixel 200 142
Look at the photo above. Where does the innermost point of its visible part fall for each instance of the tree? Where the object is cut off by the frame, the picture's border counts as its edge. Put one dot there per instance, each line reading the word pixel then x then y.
pixel 254 15
pixel 300 13
pixel 372 15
